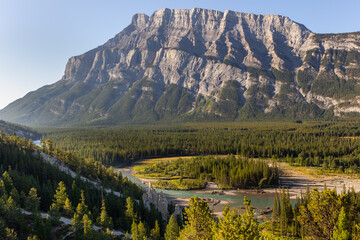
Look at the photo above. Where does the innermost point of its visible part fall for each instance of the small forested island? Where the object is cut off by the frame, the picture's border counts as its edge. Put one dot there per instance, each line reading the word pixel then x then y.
pixel 228 172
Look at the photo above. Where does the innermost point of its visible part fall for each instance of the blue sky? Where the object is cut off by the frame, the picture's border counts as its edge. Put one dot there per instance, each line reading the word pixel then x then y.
pixel 38 36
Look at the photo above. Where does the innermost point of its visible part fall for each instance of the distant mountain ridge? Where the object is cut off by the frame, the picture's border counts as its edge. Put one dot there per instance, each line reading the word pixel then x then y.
pixel 201 65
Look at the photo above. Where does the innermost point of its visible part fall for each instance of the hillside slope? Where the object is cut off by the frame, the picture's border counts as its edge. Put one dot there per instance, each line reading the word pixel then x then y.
pixel 198 65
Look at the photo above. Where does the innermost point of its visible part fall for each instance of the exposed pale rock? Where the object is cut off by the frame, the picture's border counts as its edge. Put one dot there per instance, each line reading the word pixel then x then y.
pixel 158 199
pixel 200 51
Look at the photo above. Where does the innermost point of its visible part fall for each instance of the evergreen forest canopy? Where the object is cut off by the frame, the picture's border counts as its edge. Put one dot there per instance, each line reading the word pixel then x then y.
pixel 329 145
pixel 31 187
pixel 315 215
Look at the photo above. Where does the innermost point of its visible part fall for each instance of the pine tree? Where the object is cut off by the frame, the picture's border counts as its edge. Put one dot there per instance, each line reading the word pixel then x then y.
pixel 68 209
pixel 172 229
pixel 229 226
pixel 60 197
pixel 2 189
pixel 82 208
pixel 130 211
pixel 32 202
pixel 8 183
pixel 138 231
pixel 199 220
pixel 87 224
pixel 78 218
pixel 286 214
pixel 155 232
pixel 341 229
pixel 134 231
pixel 142 231
pixel 318 216
pixel 276 210
pixel 11 234
pixel 14 193
pixel 104 220
pixel 249 225
pixel 76 222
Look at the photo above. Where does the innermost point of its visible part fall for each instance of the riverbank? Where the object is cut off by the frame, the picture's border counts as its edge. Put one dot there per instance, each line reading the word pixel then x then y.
pixel 296 179
pixel 215 197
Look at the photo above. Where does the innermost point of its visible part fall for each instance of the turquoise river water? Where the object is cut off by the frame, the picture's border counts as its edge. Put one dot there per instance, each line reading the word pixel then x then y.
pixel 258 201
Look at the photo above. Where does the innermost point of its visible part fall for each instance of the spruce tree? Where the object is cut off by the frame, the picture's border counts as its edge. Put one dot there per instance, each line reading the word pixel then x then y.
pixel 14 193
pixel 104 220
pixel 134 231
pixel 8 183
pixel 318 217
pixel 275 212
pixel 68 209
pixel 341 231
pixel 172 229
pixel 60 197
pixel 198 220
pixel 87 224
pixel 142 231
pixel 32 202
pixel 155 232
pixel 78 218
pixel 2 189
pixel 249 225
pixel 138 231
pixel 229 226
pixel 234 226
pixel 82 208
pixel 130 211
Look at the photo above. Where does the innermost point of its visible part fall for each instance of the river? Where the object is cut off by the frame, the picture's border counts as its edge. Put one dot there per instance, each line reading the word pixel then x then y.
pixel 233 198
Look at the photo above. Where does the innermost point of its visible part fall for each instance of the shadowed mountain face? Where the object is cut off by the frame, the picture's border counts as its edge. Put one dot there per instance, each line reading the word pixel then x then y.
pixel 196 65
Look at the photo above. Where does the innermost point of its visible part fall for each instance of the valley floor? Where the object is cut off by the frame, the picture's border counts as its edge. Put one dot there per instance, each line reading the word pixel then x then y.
pixel 296 179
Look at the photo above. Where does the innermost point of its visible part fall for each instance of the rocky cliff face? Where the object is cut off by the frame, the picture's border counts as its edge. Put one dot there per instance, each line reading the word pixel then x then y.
pixel 159 201
pixel 202 65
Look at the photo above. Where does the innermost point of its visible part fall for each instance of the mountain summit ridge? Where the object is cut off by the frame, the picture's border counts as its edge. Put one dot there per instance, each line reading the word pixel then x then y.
pixel 202 64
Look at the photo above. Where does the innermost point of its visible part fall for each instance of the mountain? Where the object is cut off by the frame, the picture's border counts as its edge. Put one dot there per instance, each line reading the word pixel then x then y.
pixel 201 65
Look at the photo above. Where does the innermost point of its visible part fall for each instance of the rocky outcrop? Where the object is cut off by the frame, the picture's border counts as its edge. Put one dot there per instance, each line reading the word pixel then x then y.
pixel 202 64
pixel 158 199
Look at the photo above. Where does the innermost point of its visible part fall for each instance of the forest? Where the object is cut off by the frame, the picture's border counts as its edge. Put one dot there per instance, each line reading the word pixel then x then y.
pixel 315 215
pixel 227 172
pixel 31 187
pixel 332 146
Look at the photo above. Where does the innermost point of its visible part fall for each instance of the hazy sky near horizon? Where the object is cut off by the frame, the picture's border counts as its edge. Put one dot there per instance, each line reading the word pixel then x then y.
pixel 37 37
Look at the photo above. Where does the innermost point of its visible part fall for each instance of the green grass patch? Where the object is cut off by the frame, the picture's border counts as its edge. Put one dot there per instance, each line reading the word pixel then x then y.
pixel 180 184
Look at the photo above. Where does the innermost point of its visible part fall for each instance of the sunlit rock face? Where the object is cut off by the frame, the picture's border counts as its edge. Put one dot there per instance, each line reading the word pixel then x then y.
pixel 201 64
